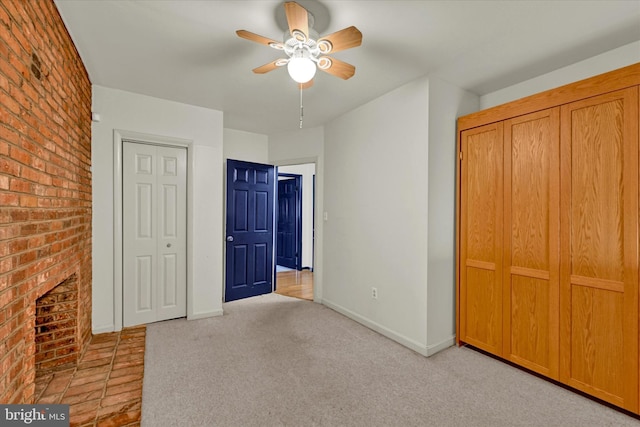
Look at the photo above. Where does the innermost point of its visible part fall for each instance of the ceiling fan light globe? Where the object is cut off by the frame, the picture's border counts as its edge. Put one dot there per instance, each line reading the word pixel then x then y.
pixel 301 70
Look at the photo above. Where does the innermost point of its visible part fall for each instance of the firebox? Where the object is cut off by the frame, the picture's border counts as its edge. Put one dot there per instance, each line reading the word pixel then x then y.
pixel 57 345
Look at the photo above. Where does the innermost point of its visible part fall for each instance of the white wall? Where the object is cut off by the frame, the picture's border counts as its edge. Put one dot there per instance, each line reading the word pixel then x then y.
pixel 120 110
pixel 608 61
pixel 376 186
pixel 446 103
pixel 390 200
pixel 307 171
pixel 298 147
pixel 246 146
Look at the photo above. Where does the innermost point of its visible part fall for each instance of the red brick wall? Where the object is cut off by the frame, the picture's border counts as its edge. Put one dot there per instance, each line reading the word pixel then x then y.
pixel 45 181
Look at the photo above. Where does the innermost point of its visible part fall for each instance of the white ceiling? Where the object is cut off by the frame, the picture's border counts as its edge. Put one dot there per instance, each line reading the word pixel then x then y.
pixel 187 51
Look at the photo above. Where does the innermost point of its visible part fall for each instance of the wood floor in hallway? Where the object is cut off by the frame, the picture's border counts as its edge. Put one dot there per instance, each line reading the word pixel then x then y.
pixel 297 284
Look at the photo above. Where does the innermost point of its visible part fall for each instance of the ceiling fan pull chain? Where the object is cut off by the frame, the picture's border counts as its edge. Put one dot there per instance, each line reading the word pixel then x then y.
pixel 301 107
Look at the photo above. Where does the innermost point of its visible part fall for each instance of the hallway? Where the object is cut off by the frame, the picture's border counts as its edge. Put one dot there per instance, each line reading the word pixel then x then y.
pixel 297 284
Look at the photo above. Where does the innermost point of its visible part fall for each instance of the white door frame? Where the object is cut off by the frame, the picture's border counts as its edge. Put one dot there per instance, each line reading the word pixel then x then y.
pixel 119 137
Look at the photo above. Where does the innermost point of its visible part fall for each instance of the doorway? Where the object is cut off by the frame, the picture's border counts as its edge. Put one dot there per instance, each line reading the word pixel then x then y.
pixel 238 265
pixel 298 282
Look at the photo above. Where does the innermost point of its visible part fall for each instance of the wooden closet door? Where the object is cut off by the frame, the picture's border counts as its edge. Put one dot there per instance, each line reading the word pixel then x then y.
pixel 481 227
pixel 532 241
pixel 599 247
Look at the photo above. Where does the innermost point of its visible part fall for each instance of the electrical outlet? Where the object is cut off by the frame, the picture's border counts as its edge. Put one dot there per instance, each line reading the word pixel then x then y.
pixel 374 293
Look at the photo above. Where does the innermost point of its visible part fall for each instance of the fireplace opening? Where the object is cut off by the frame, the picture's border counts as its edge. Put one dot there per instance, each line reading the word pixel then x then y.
pixel 57 344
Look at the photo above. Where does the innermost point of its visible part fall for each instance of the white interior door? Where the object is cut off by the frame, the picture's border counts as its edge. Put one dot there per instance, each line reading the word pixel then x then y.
pixel 154 233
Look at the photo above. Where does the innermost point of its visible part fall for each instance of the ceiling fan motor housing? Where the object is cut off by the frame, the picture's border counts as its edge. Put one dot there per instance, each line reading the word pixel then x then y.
pixel 298 40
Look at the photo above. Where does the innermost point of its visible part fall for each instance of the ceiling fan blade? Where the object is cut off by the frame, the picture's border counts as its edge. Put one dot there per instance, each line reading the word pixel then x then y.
pixel 248 35
pixel 297 18
pixel 267 67
pixel 339 68
pixel 341 40
pixel 306 85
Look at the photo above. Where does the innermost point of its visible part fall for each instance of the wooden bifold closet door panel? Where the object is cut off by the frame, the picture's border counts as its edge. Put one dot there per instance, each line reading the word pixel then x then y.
pixel 599 247
pixel 548 242
pixel 481 228
pixel 532 241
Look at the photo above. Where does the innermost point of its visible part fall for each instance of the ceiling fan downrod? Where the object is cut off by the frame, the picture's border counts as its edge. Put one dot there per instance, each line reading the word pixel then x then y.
pixel 301 107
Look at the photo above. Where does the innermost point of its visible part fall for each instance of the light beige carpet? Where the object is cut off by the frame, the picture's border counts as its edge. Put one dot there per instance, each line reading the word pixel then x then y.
pixel 278 361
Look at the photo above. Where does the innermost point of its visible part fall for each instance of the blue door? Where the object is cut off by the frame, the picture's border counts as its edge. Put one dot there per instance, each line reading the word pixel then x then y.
pixel 289 230
pixel 250 201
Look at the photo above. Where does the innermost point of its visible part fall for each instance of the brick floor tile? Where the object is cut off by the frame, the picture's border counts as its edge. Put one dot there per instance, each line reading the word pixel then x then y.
pixel 81 397
pixel 104 353
pixel 86 418
pixel 80 388
pixel 122 397
pixel 132 336
pixel 120 354
pixel 41 384
pixel 87 372
pixel 127 370
pixel 128 356
pixel 124 379
pixel 58 384
pixel 108 337
pixel 121 388
pixel 93 363
pixel 119 408
pixel 131 333
pixel 102 345
pixel 134 340
pixel 90 406
pixel 49 399
pixel 128 364
pixel 86 379
pixel 44 378
pixel 120 420
pixel 129 349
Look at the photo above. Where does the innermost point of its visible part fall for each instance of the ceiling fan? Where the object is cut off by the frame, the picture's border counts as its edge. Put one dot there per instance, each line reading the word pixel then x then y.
pixel 305 50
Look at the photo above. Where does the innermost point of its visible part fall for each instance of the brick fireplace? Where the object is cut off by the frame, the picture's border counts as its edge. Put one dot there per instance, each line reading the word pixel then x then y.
pixel 45 197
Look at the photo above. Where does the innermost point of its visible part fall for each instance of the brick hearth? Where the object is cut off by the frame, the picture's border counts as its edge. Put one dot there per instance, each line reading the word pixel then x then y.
pixel 106 387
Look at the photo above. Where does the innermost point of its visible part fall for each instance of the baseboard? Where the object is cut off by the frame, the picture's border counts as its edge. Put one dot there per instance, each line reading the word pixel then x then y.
pixel 400 339
pixel 205 314
pixel 435 348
